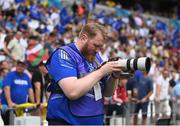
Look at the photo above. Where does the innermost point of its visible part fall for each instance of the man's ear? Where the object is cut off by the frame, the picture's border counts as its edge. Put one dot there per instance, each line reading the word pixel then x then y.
pixel 84 37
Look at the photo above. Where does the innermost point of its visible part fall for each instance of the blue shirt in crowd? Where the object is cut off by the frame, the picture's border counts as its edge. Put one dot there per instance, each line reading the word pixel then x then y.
pixel 19 86
pixel 143 84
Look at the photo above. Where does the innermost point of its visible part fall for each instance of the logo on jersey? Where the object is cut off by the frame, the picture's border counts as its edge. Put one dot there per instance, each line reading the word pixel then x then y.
pixel 63 55
pixel 65 60
pixel 20 82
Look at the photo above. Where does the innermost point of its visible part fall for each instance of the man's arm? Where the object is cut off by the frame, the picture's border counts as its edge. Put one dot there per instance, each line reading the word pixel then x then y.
pixel 37 86
pixel 75 88
pixel 147 97
pixel 31 95
pixel 7 91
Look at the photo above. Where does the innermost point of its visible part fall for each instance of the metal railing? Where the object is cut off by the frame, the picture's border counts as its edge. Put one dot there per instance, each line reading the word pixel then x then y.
pixel 172 116
pixel 27 114
pixel 124 118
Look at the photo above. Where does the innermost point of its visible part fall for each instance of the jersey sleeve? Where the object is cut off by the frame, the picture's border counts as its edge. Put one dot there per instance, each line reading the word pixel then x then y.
pixel 8 80
pixel 61 65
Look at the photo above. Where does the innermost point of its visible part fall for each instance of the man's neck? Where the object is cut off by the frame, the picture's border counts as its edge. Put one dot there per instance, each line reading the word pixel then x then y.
pixel 78 45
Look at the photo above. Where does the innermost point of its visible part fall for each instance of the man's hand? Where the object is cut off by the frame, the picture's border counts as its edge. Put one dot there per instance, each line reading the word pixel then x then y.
pixel 110 67
pixel 11 105
pixel 143 100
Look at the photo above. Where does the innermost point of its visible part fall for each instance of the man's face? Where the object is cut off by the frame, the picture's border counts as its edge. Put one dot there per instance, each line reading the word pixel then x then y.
pixel 18 36
pixel 165 73
pixel 32 42
pixel 20 68
pixel 92 46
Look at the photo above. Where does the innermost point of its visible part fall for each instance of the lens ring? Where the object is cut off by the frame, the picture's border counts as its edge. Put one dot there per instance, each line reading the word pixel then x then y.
pixel 128 64
pixel 135 64
pixel 148 64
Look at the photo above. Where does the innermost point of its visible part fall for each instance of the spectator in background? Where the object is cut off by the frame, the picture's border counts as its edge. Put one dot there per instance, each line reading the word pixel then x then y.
pixel 35 52
pixel 74 9
pixel 6 41
pixel 2 37
pixel 6 65
pixel 144 89
pixel 117 102
pixel 81 10
pixel 10 24
pixel 2 75
pixel 120 95
pixel 16 89
pixel 15 48
pixel 2 20
pixel 161 96
pixel 131 96
pixel 50 43
pixel 40 81
pixel 172 83
pixel 176 101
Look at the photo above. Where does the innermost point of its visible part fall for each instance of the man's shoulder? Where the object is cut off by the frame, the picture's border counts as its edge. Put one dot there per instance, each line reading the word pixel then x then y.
pixel 62 49
pixel 11 73
pixel 66 52
pixel 25 75
pixel 148 80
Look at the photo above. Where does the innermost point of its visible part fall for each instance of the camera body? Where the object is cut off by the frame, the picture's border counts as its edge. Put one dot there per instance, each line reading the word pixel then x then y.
pixel 131 65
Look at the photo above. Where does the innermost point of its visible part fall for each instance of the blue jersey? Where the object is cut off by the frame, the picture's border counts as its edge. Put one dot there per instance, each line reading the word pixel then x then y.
pixel 19 85
pixel 62 65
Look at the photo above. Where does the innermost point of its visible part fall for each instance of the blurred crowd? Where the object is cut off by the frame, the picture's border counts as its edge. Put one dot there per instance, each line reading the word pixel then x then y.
pixel 30 31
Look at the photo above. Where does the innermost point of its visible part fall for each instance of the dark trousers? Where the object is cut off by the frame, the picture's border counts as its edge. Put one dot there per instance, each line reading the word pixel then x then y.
pixel 5 117
pixel 120 111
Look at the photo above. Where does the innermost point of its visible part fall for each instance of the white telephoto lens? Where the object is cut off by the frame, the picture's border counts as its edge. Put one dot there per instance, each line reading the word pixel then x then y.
pixel 143 64
pixel 123 63
pixel 132 64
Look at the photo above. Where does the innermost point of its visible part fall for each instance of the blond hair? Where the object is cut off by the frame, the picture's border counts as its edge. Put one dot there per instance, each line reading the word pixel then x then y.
pixel 92 29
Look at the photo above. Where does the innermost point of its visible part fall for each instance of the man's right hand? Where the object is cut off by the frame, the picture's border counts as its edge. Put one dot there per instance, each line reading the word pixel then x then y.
pixel 11 105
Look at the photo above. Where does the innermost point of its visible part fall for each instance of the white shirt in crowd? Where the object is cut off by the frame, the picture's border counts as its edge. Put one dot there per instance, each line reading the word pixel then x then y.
pixel 16 49
pixel 2 37
pixel 164 83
